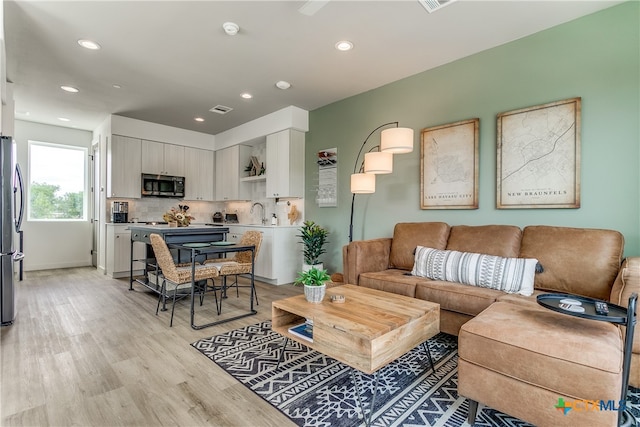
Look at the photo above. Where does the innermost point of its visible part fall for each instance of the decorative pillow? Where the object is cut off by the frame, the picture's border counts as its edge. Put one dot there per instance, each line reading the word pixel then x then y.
pixel 511 275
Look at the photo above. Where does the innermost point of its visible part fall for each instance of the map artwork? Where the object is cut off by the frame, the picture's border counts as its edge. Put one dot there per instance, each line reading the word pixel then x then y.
pixel 449 166
pixel 539 156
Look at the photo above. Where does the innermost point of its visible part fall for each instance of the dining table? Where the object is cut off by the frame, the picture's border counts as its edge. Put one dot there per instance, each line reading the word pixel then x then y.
pixel 199 249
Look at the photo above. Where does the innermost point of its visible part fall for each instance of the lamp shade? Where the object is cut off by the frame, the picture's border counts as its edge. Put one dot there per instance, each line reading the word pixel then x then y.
pixel 363 183
pixel 396 140
pixel 378 162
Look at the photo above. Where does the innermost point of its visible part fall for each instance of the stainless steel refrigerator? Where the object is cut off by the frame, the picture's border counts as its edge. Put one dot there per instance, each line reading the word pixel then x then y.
pixel 12 210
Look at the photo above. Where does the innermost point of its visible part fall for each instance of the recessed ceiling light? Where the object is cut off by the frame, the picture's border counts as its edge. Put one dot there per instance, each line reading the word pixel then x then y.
pixel 199 119
pixel 283 85
pixel 88 44
pixel 64 119
pixel 231 28
pixel 69 89
pixel 246 95
pixel 117 86
pixel 344 45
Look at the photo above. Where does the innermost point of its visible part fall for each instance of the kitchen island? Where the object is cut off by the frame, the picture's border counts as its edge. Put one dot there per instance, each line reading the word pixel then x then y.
pixel 172 235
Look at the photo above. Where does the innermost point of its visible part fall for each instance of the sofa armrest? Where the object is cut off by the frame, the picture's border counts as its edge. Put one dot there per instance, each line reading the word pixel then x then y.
pixel 364 256
pixel 628 282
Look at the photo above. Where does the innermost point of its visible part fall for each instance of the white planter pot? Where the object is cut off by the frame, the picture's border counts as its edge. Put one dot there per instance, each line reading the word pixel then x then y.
pixel 307 267
pixel 314 294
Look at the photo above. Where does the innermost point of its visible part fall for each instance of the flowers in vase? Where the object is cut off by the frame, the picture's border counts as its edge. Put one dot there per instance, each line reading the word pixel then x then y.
pixel 180 216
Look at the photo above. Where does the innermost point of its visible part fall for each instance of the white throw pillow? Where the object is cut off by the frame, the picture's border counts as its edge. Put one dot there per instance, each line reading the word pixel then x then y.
pixel 511 275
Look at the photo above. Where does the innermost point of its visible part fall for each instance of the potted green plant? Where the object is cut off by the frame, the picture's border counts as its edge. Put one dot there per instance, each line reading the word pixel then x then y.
pixel 314 237
pixel 315 283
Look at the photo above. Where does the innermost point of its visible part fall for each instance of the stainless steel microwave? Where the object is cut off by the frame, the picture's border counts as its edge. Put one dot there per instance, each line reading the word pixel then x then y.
pixel 162 185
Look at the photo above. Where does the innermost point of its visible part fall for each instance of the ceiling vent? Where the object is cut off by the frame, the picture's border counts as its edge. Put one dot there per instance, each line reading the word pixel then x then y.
pixel 433 5
pixel 221 109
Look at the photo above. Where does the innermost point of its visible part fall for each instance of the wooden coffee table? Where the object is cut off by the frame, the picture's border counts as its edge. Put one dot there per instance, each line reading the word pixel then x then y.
pixel 369 330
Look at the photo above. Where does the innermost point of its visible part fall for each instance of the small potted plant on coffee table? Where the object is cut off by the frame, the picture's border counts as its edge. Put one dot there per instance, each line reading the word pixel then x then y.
pixel 314 281
pixel 314 237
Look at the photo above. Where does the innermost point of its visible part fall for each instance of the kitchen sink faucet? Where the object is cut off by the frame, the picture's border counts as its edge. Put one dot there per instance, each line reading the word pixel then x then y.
pixel 263 218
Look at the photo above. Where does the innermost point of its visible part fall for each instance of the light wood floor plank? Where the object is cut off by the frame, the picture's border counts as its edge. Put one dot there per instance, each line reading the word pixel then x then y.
pixel 85 350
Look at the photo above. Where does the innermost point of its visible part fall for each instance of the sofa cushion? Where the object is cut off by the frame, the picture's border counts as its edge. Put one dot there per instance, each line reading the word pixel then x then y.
pixel 456 297
pixel 408 235
pixel 500 240
pixel 544 348
pixel 391 280
pixel 578 261
pixel 511 275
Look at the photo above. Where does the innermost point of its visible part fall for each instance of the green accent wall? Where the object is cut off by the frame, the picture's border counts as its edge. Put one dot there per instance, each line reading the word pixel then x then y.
pixel 596 57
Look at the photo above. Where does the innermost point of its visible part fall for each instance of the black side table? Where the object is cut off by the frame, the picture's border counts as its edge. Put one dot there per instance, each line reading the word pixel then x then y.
pixel 618 315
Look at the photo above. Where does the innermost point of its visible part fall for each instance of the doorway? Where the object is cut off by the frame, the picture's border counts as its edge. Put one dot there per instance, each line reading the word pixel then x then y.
pixel 95 202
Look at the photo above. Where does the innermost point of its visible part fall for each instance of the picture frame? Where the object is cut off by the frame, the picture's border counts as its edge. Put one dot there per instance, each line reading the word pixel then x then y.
pixel 327 195
pixel 538 156
pixel 449 165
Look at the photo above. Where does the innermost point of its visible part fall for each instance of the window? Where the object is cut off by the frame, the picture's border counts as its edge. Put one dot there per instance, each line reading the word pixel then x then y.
pixel 57 182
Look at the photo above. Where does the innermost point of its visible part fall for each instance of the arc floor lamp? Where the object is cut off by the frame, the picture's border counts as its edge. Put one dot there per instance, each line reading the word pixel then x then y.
pixel 378 160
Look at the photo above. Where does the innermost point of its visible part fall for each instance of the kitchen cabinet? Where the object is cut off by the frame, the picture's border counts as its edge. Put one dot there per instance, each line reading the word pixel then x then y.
pixel 280 256
pixel 229 164
pixel 162 159
pixel 119 252
pixel 199 167
pixel 285 164
pixel 124 167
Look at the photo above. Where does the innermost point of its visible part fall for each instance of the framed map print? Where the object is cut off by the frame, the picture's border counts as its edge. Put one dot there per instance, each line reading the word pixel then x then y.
pixel 538 163
pixel 449 166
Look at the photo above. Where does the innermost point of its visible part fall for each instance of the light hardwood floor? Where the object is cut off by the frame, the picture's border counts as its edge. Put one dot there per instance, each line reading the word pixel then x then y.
pixel 86 351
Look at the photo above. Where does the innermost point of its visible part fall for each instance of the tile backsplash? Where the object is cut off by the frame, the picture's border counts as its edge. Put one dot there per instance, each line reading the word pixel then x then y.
pixel 152 209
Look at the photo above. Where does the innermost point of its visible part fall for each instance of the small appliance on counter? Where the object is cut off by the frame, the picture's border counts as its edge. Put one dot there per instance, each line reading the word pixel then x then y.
pixel 217 217
pixel 231 218
pixel 119 212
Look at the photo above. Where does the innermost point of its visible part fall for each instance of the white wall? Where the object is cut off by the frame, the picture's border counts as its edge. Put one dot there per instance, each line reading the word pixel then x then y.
pixel 100 136
pixel 7 113
pixel 160 133
pixel 287 118
pixel 53 244
pixel 6 91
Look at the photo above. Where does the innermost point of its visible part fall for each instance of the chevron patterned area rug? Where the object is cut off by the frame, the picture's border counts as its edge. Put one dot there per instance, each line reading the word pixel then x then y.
pixel 315 390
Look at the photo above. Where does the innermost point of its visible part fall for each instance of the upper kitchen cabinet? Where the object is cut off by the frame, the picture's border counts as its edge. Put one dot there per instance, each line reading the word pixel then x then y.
pixel 162 159
pixel 229 164
pixel 124 173
pixel 199 169
pixel 285 164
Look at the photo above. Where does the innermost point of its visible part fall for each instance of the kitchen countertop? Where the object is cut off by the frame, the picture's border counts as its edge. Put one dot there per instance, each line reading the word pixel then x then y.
pixel 261 226
pixel 193 233
pixel 201 225
pixel 165 227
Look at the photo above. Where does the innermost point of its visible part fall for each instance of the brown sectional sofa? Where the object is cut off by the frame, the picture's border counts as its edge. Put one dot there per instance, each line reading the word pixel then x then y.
pixel 579 261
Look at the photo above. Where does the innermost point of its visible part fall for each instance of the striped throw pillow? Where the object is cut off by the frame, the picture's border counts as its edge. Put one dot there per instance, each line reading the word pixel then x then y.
pixel 511 275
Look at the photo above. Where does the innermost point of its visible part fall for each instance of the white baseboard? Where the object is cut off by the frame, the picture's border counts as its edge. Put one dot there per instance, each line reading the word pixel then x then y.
pixel 36 267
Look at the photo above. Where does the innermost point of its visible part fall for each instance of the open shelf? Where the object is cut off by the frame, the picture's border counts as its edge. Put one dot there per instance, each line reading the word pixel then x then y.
pixel 253 178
